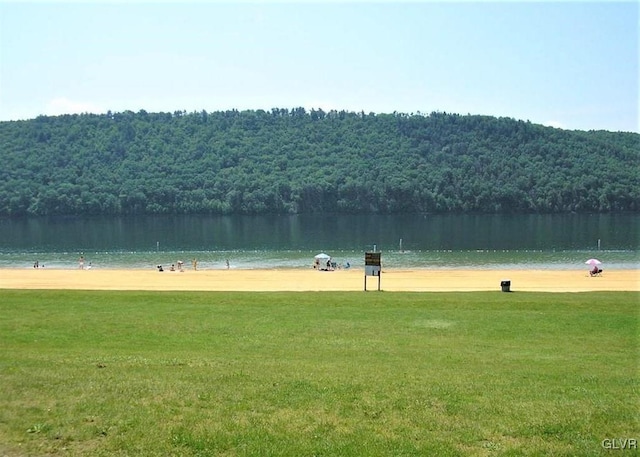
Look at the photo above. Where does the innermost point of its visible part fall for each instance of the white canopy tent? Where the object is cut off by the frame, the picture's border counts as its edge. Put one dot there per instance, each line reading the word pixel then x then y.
pixel 322 262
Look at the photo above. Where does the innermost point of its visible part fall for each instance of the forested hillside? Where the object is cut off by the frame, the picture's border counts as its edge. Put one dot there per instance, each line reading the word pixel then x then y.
pixel 295 161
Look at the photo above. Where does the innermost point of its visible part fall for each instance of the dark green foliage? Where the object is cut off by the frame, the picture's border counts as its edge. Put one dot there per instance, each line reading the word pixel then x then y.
pixel 294 161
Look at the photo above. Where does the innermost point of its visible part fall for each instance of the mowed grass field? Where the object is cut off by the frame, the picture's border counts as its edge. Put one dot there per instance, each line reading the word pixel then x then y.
pixel 317 374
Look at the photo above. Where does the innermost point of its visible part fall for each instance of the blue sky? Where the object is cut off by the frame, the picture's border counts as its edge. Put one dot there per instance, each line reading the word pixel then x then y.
pixel 571 65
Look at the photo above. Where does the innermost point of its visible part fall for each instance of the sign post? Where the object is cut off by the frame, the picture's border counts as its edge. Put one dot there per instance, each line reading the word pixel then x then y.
pixel 372 267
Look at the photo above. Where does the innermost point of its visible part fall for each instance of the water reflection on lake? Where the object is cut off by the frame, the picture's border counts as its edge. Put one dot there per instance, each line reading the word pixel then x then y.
pixel 407 241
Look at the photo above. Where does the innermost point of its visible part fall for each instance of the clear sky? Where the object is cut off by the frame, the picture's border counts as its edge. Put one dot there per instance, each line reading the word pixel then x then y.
pixel 571 65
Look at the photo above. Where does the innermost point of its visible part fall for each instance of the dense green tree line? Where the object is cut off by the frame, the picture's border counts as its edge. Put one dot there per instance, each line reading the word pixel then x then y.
pixel 294 161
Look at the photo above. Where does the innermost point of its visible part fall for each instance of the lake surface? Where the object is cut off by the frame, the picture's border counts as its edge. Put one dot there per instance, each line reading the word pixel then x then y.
pixel 406 241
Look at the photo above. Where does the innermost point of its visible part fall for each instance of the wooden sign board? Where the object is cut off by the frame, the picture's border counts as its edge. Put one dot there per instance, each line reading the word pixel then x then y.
pixel 372 266
pixel 372 258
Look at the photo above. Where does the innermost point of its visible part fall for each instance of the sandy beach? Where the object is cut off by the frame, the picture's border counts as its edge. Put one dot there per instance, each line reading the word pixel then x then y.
pixel 312 280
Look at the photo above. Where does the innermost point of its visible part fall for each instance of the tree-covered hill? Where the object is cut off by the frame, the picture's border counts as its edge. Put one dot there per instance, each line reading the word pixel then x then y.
pixel 294 161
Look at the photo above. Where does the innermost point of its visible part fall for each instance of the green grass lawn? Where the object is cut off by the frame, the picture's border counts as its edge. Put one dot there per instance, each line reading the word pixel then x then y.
pixel 317 374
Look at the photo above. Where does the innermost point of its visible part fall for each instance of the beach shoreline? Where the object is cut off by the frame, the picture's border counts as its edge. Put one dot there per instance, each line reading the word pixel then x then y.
pixel 304 280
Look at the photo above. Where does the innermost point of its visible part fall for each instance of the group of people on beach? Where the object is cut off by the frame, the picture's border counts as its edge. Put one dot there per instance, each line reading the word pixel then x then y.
pixel 180 266
pixel 173 267
pixel 81 263
pixel 194 264
pixel 330 265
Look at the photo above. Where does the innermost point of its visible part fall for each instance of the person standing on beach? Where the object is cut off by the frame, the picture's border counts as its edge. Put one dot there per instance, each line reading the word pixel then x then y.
pixel 81 262
pixel 194 262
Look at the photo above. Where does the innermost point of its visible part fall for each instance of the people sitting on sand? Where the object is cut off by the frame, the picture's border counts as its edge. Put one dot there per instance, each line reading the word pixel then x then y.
pixel 159 267
pixel 595 271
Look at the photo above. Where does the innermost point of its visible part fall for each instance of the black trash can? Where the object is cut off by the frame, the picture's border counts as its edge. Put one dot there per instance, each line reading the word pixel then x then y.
pixel 506 285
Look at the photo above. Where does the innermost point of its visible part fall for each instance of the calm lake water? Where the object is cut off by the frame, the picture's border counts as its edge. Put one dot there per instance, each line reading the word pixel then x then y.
pixel 406 241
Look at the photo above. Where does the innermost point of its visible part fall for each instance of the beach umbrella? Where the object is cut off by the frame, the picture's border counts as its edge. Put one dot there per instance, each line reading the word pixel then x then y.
pixel 593 262
pixel 322 256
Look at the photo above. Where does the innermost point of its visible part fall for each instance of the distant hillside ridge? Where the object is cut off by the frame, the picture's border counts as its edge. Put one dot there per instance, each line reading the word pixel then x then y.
pixel 288 161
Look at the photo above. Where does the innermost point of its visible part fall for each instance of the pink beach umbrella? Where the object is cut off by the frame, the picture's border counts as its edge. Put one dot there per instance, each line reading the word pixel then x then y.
pixel 594 266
